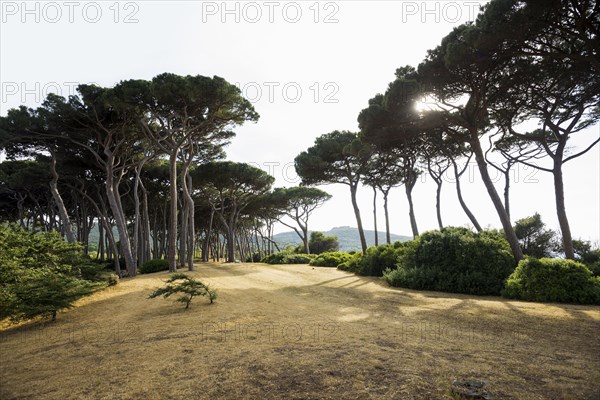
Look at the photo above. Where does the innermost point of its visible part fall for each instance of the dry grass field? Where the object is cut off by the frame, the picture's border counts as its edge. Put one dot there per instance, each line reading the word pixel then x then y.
pixel 297 332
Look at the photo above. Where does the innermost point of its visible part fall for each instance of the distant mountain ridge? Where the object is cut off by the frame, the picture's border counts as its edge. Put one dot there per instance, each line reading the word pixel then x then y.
pixel 347 236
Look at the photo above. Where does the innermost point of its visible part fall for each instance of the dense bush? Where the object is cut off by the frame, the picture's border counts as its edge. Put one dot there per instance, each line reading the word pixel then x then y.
pixel 351 264
pixel 151 266
pixel 41 274
pixel 330 259
pixel 454 260
pixel 287 258
pixel 554 280
pixel 594 268
pixel 375 260
pixel 588 256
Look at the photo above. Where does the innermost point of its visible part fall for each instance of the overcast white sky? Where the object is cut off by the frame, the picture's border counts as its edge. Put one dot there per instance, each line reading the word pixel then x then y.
pixel 309 68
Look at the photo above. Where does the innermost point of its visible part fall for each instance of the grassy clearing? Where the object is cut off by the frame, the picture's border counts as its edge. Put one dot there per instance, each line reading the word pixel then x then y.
pixel 297 332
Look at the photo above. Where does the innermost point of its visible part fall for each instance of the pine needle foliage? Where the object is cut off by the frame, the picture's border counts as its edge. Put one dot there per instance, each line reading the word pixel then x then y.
pixel 187 287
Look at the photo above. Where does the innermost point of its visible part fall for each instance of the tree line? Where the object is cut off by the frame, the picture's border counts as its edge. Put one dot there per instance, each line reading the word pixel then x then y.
pixel 143 161
pixel 519 61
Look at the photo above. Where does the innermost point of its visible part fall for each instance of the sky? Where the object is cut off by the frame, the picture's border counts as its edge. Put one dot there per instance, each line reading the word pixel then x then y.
pixel 308 67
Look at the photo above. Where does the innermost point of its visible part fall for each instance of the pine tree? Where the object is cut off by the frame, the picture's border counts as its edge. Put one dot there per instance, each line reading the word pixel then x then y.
pixel 187 286
pixel 42 292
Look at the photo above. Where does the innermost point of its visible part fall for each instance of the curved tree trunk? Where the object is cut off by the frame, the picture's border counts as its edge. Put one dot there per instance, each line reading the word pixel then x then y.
pixel 229 228
pixel 114 204
pixel 62 210
pixel 509 232
pixel 561 212
pixel 460 197
pixel 107 228
pixel 305 238
pixel 361 232
pixel 411 210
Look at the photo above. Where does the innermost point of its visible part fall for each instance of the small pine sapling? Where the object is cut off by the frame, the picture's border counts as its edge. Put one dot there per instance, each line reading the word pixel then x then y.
pixel 187 286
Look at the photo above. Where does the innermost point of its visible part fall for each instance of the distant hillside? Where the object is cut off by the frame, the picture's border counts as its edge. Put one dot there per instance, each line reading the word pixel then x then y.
pixel 347 236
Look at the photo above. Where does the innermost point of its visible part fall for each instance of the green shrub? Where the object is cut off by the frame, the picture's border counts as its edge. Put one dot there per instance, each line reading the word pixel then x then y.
pixel 330 259
pixel 151 266
pixel 351 264
pixel 590 258
pixel 453 260
pixel 376 259
pixel 594 268
pixel 24 249
pixel 553 280
pixel 41 274
pixel 287 258
pixel 42 292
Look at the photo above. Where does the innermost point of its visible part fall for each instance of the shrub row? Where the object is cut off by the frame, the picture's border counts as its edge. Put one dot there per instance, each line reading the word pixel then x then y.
pixel 375 260
pixel 287 258
pixel 156 265
pixel 460 261
pixel 330 259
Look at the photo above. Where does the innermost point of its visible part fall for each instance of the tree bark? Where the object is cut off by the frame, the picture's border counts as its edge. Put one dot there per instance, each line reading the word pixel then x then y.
pixel 100 254
pixel 561 212
pixel 172 230
pixel 388 237
pixel 507 192
pixel 411 210
pixel 208 236
pixel 62 210
pixel 230 244
pixel 460 197
pixel 305 239
pixel 361 232
pixel 183 220
pixel 375 215
pixel 509 232
pixel 189 205
pixel 145 255
pixel 438 206
pixel 113 202
pixel 137 223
